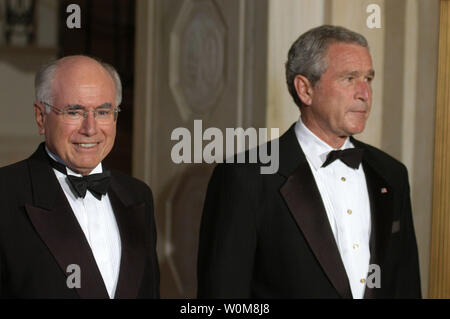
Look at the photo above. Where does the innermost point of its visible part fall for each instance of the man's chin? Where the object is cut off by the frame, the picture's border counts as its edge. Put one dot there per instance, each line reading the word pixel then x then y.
pixel 356 128
pixel 356 132
pixel 83 168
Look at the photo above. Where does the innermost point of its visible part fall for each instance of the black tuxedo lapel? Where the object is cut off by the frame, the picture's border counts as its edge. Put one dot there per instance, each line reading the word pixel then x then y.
pixel 53 219
pixel 130 219
pixel 381 206
pixel 305 203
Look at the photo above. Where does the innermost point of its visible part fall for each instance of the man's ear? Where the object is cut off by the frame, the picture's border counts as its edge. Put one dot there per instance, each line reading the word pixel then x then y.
pixel 304 89
pixel 39 114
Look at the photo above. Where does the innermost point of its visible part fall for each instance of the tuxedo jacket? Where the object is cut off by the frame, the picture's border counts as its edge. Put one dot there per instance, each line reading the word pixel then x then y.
pixel 40 237
pixel 268 236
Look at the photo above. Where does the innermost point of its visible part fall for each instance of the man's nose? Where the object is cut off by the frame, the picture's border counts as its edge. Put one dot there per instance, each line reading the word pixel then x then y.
pixel 89 125
pixel 363 91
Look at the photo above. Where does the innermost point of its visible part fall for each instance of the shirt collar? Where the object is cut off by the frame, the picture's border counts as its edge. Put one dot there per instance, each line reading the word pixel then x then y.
pixel 97 169
pixel 315 149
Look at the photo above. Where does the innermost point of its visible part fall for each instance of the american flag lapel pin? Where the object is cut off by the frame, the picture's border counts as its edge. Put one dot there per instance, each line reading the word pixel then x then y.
pixel 383 190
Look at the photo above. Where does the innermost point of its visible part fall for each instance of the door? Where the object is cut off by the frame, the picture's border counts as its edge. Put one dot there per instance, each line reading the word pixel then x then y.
pixel 196 60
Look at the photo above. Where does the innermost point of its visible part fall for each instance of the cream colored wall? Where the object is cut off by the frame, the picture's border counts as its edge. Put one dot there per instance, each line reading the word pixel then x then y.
pixel 352 14
pixel 18 133
pixel 287 20
pixel 401 121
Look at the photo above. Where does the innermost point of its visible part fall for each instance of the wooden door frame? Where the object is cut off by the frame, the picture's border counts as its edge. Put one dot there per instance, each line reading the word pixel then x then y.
pixel 439 285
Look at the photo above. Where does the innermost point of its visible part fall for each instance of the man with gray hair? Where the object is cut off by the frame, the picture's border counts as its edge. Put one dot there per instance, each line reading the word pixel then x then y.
pixel 68 227
pixel 335 221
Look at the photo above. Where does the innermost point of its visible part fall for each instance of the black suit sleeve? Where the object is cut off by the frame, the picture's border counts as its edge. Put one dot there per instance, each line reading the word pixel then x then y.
pixel 408 278
pixel 228 235
pixel 153 232
pixel 1 274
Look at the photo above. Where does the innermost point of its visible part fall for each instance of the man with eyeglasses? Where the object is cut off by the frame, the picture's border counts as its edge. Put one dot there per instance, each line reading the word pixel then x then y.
pixel 68 227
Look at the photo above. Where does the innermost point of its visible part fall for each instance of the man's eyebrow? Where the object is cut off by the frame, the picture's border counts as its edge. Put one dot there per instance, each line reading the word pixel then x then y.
pixel 104 106
pixel 81 107
pixel 356 73
pixel 75 107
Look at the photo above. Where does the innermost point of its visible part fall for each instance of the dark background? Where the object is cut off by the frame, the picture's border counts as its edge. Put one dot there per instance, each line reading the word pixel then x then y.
pixel 107 32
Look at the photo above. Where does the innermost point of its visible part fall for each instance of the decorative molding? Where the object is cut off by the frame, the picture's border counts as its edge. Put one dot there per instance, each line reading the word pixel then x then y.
pixel 147 21
pixel 183 212
pixel 197 58
pixel 168 49
pixel 440 232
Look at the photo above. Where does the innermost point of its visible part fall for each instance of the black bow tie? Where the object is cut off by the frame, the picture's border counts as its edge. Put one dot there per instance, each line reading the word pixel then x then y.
pixel 97 184
pixel 352 157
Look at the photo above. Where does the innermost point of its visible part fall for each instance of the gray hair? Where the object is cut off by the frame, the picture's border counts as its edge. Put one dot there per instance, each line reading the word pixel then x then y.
pixel 307 54
pixel 43 82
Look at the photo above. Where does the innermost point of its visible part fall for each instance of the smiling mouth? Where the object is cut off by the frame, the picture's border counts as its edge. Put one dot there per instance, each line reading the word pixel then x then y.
pixel 86 145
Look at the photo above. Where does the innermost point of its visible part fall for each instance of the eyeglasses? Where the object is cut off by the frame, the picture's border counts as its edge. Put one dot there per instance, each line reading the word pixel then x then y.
pixel 76 113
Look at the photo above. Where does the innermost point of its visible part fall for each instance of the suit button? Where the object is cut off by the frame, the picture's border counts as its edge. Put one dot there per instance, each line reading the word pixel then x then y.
pixel 355 246
pixel 343 179
pixel 349 211
pixel 362 280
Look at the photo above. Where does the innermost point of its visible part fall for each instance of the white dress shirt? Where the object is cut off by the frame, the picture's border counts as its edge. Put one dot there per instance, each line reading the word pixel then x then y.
pixel 97 220
pixel 346 200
